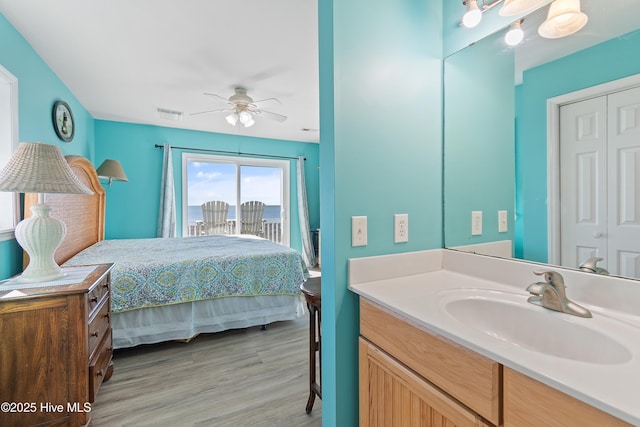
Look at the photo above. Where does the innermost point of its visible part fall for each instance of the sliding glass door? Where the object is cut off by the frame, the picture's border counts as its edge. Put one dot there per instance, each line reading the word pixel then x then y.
pixel 236 180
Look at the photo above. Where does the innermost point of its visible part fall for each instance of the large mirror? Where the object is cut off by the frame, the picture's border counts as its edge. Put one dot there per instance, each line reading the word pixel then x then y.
pixel 542 143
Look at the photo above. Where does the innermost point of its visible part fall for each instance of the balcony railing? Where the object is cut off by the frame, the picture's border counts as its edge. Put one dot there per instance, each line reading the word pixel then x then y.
pixel 272 229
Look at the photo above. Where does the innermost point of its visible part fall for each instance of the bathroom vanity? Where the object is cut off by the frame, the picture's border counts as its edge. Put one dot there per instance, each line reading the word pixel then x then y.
pixel 450 337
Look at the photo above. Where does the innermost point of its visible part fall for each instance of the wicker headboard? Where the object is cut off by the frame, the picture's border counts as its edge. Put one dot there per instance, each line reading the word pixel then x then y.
pixel 83 214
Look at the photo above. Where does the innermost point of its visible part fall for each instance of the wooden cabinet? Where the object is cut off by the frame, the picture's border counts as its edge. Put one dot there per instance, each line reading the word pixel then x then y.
pixel 467 377
pixel 392 395
pixel 55 351
pixel 411 377
pixel 552 408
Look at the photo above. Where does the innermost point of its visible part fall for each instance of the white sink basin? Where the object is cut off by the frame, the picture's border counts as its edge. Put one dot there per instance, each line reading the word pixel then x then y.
pixel 510 318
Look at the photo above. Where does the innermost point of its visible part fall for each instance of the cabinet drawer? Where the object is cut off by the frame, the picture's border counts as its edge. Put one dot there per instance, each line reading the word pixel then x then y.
pixel 529 403
pixel 99 365
pixel 472 379
pixel 98 325
pixel 97 293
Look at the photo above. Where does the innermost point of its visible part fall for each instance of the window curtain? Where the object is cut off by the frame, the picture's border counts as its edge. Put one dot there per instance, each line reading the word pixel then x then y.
pixel 308 254
pixel 167 214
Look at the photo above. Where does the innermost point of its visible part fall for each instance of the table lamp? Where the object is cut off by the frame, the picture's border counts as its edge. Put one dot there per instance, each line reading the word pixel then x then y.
pixel 40 168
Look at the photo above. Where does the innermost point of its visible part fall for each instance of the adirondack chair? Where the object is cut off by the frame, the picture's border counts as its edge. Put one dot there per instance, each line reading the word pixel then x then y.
pixel 214 216
pixel 251 218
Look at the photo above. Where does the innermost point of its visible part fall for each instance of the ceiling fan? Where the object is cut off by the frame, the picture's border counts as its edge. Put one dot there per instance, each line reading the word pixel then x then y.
pixel 243 108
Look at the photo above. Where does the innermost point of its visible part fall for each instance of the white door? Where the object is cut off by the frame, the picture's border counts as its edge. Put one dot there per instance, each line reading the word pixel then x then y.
pixel 600 182
pixel 583 189
pixel 624 183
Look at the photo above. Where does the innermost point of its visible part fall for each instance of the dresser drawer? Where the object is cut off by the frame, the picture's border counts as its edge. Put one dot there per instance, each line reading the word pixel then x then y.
pixel 98 325
pixel 472 379
pixel 99 365
pixel 97 294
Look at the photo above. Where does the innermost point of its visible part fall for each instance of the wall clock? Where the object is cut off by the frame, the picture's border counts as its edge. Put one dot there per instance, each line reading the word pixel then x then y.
pixel 63 121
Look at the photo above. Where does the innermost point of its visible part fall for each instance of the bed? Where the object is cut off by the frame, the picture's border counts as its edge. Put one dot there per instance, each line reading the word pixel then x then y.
pixel 174 289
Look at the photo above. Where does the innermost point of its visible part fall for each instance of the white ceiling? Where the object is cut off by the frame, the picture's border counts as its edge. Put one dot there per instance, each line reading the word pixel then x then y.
pixel 124 59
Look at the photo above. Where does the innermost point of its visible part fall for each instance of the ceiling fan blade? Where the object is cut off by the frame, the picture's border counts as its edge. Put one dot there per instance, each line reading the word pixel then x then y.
pixel 223 110
pixel 216 96
pixel 270 115
pixel 268 99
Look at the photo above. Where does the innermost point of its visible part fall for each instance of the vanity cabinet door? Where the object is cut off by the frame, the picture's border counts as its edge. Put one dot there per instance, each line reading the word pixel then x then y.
pixel 468 377
pixel 529 403
pixel 392 395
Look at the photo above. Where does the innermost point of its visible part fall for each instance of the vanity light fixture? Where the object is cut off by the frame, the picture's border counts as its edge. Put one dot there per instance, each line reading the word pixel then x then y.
pixel 564 18
pixel 515 35
pixel 517 7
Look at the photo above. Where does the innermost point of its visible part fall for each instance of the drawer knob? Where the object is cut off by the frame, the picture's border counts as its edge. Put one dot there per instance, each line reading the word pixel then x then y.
pixel 100 372
pixel 95 334
pixel 94 299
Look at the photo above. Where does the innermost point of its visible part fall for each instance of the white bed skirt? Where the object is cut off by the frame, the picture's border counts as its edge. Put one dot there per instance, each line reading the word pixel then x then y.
pixel 185 321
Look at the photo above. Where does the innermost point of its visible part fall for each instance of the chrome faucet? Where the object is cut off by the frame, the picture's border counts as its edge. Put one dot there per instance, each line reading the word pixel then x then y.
pixel 551 294
pixel 591 267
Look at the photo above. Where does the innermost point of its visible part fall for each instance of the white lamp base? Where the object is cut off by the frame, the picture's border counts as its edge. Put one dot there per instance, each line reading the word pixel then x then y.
pixel 40 235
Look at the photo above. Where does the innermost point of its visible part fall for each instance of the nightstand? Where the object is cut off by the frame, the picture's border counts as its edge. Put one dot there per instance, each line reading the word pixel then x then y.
pixel 55 347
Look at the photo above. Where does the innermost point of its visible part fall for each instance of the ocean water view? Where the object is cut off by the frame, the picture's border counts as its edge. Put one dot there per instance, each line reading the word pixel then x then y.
pixel 270 212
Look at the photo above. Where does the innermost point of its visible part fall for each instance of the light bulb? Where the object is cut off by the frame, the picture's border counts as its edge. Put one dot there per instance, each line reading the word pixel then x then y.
pixel 232 119
pixel 515 34
pixel 473 15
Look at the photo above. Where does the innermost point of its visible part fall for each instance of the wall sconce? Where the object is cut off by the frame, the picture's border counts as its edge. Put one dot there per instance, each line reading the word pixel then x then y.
pixel 564 18
pixel 111 170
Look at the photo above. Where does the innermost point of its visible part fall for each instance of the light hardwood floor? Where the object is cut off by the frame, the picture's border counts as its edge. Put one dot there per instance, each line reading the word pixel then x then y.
pixel 247 377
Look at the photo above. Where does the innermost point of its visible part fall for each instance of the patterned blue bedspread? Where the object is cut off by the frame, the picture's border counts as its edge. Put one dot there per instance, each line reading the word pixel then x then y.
pixel 163 271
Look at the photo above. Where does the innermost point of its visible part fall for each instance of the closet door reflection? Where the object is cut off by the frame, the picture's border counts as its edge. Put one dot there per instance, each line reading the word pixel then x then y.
pixel 600 182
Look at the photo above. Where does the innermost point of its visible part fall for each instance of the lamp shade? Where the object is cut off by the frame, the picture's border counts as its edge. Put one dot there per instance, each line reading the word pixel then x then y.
pixel 111 170
pixel 40 168
pixel 517 7
pixel 564 18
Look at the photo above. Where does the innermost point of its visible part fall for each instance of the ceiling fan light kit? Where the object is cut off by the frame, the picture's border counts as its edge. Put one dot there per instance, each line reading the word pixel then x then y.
pixel 243 109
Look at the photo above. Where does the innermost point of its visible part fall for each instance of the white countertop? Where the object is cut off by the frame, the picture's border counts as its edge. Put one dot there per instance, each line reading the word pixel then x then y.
pixel 416 285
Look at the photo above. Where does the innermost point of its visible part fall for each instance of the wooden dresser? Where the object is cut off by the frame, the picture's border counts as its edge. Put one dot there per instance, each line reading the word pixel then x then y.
pixel 55 350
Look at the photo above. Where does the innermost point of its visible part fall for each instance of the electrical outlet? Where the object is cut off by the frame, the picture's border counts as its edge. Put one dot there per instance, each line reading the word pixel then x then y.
pixel 503 226
pixel 400 228
pixel 476 223
pixel 358 231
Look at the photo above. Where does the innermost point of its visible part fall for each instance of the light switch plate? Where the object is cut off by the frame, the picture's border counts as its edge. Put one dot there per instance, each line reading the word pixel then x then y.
pixel 400 228
pixel 358 231
pixel 476 223
pixel 503 222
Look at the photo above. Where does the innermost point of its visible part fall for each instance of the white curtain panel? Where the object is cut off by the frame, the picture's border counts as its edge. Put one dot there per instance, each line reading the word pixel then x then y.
pixel 308 254
pixel 167 214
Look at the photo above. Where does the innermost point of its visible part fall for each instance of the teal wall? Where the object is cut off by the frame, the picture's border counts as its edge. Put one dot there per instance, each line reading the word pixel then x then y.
pixel 132 207
pixel 380 154
pixel 38 89
pixel 479 160
pixel 605 62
